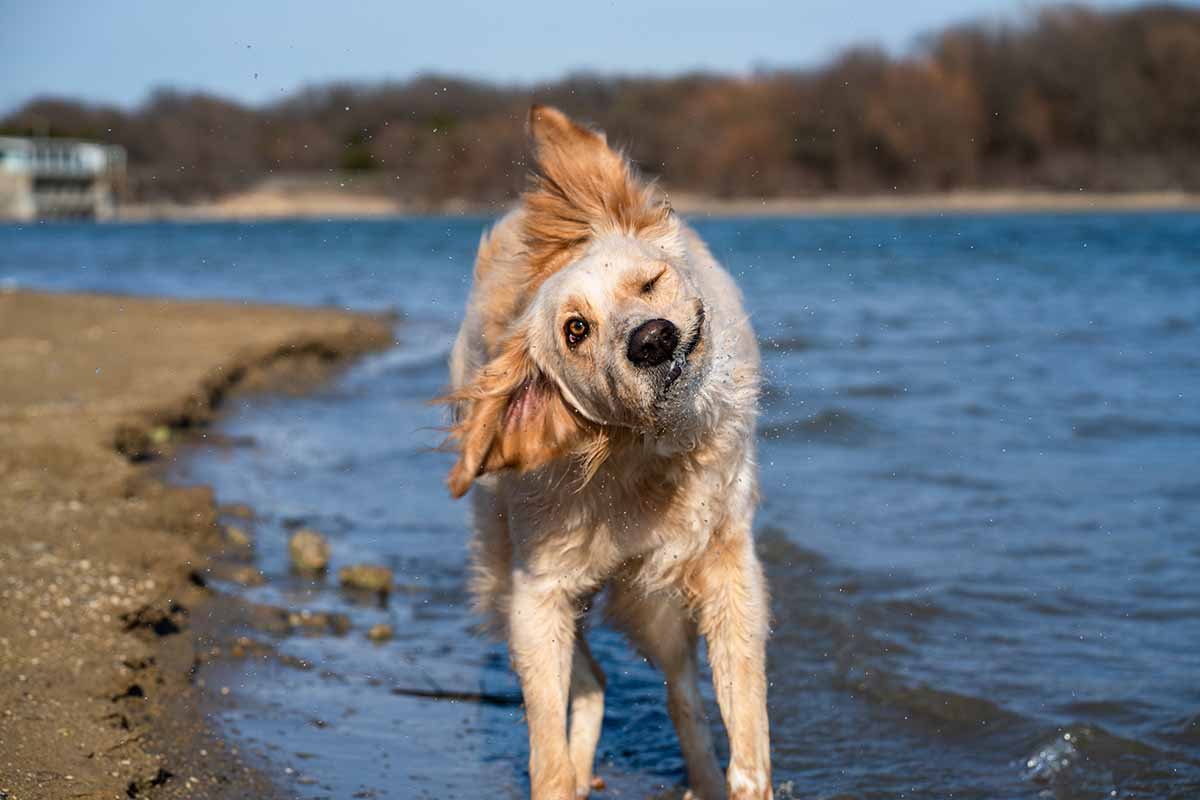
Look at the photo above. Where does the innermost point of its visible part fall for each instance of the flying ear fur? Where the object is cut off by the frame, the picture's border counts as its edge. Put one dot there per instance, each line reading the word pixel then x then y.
pixel 511 416
pixel 580 186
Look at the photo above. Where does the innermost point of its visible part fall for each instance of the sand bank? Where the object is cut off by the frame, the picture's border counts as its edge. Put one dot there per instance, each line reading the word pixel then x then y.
pixel 298 198
pixel 99 560
pixel 964 202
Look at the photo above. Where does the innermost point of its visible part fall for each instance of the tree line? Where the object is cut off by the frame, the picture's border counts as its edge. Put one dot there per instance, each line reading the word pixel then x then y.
pixel 1069 98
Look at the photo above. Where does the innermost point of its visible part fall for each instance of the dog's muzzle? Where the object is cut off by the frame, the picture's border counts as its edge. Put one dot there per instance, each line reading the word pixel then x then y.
pixel 657 342
pixel 652 343
pixel 685 352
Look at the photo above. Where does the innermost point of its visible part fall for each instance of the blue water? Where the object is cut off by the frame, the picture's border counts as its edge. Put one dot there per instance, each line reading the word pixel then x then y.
pixel 980 450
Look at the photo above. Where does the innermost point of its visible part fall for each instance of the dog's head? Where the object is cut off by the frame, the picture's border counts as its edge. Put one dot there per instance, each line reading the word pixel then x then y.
pixel 607 337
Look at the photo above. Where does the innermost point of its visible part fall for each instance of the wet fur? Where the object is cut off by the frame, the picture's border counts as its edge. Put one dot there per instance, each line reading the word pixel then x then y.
pixel 590 475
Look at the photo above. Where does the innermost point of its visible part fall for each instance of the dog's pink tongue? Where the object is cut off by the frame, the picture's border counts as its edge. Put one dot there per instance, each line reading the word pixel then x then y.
pixel 676 371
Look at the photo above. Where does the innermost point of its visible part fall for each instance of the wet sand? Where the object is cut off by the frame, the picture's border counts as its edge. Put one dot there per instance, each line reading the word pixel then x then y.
pixel 101 563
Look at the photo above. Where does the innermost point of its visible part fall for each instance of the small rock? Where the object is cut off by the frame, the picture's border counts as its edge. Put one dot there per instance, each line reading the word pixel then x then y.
pixel 319 622
pixel 235 572
pixel 309 551
pixel 245 575
pixel 380 633
pixel 237 537
pixel 368 577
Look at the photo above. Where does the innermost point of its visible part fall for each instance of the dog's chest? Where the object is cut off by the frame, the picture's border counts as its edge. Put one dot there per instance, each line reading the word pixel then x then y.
pixel 664 521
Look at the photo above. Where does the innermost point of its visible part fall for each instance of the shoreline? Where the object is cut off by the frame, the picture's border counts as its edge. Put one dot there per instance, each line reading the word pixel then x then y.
pixel 103 595
pixel 964 203
pixel 277 201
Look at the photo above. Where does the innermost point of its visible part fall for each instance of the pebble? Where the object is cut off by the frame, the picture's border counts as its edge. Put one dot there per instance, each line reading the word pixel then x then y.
pixel 319 622
pixel 246 576
pixel 309 551
pixel 380 633
pixel 368 577
pixel 237 537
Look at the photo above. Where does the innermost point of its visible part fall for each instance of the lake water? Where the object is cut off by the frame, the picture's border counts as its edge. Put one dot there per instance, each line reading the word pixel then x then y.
pixel 980 448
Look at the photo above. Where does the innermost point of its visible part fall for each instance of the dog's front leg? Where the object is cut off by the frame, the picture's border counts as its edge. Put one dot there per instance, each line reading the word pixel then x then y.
pixel 541 641
pixel 731 598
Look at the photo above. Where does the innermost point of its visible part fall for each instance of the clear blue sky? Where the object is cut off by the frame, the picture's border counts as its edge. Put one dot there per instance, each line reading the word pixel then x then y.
pixel 255 50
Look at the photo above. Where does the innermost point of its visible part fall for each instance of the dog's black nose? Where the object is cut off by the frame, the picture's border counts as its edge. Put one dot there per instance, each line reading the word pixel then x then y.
pixel 652 343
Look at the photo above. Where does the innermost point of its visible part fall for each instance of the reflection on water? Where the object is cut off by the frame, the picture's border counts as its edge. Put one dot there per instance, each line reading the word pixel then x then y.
pixel 979 451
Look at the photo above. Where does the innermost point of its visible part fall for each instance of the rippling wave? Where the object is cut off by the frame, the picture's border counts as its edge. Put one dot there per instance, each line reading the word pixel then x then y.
pixel 831 425
pixel 1119 426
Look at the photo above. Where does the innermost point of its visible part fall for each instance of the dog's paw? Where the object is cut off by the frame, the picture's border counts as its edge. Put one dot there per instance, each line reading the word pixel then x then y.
pixel 755 793
pixel 744 785
pixel 595 784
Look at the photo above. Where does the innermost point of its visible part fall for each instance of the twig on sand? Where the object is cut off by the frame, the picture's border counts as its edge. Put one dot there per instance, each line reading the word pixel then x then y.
pixel 482 698
pixel 137 737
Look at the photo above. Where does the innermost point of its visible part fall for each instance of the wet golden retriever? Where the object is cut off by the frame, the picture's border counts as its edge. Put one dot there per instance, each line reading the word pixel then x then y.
pixel 605 383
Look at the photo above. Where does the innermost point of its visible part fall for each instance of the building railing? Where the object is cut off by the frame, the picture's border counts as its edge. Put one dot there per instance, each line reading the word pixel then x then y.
pixel 58 178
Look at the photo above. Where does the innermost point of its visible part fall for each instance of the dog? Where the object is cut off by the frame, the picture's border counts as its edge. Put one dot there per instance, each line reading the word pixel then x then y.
pixel 604 392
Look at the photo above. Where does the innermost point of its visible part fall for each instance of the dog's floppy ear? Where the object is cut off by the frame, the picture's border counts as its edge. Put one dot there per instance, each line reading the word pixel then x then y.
pixel 570 154
pixel 580 186
pixel 512 416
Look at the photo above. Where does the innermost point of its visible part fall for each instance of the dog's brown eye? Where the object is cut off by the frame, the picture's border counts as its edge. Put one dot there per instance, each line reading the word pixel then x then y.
pixel 576 330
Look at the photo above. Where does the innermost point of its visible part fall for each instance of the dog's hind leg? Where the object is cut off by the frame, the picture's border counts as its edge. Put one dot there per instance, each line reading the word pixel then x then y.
pixel 659 626
pixel 587 714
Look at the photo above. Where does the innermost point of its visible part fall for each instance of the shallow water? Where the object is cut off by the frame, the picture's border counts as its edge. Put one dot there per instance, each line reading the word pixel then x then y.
pixel 980 448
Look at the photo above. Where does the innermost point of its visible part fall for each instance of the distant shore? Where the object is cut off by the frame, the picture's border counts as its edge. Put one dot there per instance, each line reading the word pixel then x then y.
pixel 281 199
pixel 103 587
pixel 963 202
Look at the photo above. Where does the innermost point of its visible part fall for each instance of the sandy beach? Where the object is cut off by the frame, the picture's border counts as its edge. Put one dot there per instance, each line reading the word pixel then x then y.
pixel 104 563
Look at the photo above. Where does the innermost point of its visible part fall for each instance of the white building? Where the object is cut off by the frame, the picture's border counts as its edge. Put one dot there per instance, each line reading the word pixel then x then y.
pixel 59 178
